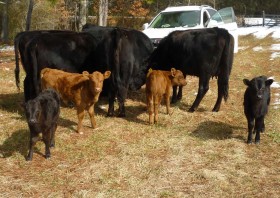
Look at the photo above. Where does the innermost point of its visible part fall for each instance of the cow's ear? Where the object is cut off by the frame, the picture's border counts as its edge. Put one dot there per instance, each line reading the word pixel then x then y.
pixel 107 74
pixel 173 72
pixel 268 82
pixel 246 82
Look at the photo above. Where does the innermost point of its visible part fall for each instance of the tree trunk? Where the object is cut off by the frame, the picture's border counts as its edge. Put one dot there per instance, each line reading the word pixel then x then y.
pixel 29 15
pixel 83 14
pixel 103 12
pixel 4 32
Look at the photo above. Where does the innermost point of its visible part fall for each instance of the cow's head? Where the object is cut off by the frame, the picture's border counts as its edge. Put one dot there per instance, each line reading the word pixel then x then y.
pixel 33 111
pixel 96 80
pixel 258 85
pixel 177 78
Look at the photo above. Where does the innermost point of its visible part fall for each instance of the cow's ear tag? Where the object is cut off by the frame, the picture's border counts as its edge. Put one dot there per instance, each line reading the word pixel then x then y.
pixel 149 71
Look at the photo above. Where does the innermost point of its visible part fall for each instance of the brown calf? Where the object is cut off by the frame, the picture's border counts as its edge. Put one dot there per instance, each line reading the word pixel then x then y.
pixel 159 83
pixel 82 89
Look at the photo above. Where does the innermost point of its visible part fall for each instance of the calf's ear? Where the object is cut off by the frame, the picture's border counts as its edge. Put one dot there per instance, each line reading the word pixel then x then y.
pixel 268 82
pixel 173 71
pixel 85 73
pixel 107 74
pixel 246 82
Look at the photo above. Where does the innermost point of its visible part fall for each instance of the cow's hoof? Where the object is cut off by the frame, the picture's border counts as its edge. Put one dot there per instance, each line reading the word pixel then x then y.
pixel 249 141
pixel 110 114
pixel 121 115
pixel 257 142
pixel 173 101
pixel 191 110
pixel 28 158
pixel 48 156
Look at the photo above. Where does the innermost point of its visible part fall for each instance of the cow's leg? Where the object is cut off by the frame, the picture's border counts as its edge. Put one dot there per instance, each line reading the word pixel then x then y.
pixel 47 140
pixel 33 139
pixel 81 114
pixel 258 126
pixel 250 129
pixel 121 95
pixel 180 93
pixel 112 96
pixel 150 107
pixel 91 115
pixel 174 95
pixel 157 100
pixel 220 95
pixel 53 129
pixel 202 90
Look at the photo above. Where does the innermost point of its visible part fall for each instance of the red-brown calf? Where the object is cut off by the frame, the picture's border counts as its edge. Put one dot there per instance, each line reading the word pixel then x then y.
pixel 159 83
pixel 82 89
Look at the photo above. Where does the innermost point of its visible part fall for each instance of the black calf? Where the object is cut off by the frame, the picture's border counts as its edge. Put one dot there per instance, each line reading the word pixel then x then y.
pixel 256 101
pixel 42 114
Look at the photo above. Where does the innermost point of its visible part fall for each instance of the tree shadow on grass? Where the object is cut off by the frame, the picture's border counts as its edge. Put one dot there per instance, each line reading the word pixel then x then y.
pixel 17 142
pixel 216 130
pixel 12 103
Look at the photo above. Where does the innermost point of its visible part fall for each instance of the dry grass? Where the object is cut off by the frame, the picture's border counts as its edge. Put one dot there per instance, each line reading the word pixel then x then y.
pixel 200 154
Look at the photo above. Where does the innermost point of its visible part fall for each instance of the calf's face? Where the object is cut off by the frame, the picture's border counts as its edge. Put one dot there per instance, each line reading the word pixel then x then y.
pixel 96 80
pixel 177 78
pixel 33 112
pixel 258 86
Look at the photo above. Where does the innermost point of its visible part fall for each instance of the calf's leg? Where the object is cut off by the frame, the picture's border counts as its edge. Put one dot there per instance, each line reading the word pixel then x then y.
pixel 259 126
pixel 53 129
pixel 157 100
pixel 150 107
pixel 81 114
pixel 47 140
pixel 33 139
pixel 91 115
pixel 250 129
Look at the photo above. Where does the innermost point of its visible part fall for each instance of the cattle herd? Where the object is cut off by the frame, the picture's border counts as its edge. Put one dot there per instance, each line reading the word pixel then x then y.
pixel 77 66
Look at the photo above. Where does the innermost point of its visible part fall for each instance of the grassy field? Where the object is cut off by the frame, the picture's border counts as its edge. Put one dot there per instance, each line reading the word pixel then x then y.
pixel 200 154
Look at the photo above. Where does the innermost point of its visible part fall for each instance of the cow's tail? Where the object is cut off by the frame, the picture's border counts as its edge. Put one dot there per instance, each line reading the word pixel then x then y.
pixel 226 65
pixel 34 70
pixel 16 46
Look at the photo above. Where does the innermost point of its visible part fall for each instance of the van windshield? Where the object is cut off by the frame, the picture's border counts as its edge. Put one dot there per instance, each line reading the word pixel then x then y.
pixel 177 19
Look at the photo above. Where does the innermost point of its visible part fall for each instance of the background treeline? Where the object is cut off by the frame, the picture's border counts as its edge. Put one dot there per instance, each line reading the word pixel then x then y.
pixel 66 14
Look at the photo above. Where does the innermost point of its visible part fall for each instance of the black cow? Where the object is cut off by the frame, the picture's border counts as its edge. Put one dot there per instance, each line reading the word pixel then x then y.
pixel 124 52
pixel 256 101
pixel 69 52
pixel 42 114
pixel 204 53
pixel 20 42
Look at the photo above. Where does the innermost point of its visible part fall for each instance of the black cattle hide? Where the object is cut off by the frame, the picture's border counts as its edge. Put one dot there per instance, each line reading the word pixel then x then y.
pixel 256 101
pixel 204 53
pixel 42 114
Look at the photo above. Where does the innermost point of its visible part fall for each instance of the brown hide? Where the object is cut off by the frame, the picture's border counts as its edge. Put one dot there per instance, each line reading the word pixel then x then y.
pixel 158 84
pixel 82 89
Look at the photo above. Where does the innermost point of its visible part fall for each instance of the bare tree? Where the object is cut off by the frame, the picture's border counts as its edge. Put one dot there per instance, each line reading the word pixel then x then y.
pixel 4 32
pixel 103 12
pixel 83 14
pixel 29 15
